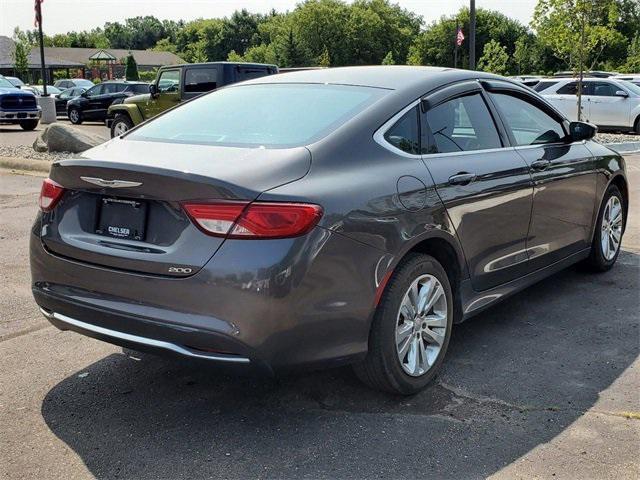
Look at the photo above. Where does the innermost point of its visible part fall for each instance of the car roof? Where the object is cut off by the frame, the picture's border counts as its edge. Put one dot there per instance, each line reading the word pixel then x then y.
pixel 392 77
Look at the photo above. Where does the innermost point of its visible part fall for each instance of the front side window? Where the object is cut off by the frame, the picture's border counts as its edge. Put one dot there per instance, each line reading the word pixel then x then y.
pixel 462 124
pixel 198 80
pixel 603 89
pixel 269 115
pixel 169 81
pixel 404 134
pixel 528 124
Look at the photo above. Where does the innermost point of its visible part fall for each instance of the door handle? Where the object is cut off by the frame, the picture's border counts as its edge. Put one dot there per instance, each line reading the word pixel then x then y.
pixel 540 164
pixel 462 178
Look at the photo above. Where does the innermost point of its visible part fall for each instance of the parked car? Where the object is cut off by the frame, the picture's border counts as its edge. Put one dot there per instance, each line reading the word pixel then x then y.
pixel 94 103
pixel 18 107
pixel 606 102
pixel 177 83
pixel 633 78
pixel 63 98
pixel 38 90
pixel 15 81
pixel 323 217
pixel 73 82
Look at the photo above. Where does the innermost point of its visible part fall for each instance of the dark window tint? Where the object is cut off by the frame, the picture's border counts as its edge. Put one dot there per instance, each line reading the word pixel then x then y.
pixel 543 85
pixel 97 90
pixel 603 89
pixel 139 88
pixel 200 79
pixel 529 125
pixel 111 88
pixel 568 89
pixel 463 124
pixel 247 73
pixel 405 134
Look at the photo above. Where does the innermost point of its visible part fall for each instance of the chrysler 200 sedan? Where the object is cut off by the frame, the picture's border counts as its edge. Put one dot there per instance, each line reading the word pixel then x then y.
pixel 318 218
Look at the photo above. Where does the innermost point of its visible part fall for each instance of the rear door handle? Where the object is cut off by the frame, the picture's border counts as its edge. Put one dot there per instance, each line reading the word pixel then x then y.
pixel 462 178
pixel 540 164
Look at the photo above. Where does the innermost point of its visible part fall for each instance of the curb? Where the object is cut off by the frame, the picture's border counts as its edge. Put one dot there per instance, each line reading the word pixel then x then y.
pixel 626 147
pixel 28 164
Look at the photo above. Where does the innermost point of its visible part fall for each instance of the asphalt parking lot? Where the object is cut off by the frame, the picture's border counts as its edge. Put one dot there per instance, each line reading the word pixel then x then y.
pixel 545 385
pixel 13 135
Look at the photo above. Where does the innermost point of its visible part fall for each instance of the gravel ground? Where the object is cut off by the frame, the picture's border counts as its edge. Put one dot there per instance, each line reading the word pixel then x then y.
pixel 26 151
pixel 617 137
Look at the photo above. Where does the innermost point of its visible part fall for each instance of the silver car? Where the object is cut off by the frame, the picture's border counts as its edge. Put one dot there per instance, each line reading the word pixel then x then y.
pixel 609 103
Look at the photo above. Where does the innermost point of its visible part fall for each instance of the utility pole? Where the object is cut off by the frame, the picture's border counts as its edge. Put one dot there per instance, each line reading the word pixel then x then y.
pixel 43 69
pixel 472 35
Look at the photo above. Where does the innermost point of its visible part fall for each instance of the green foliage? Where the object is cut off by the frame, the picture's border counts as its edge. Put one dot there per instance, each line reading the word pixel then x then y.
pixel 131 68
pixel 149 75
pixel 140 33
pixel 324 60
pixel 632 64
pixel 21 54
pixel 494 58
pixel 577 31
pixel 388 59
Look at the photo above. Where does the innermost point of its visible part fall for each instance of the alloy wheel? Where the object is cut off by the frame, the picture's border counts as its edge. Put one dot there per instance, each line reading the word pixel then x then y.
pixel 421 325
pixel 611 228
pixel 73 116
pixel 119 128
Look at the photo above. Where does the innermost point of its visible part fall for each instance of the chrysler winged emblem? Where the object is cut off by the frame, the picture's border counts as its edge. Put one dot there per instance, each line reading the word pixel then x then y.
pixel 111 183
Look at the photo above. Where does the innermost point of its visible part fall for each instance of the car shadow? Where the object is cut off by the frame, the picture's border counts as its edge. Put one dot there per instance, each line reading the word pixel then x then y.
pixel 516 376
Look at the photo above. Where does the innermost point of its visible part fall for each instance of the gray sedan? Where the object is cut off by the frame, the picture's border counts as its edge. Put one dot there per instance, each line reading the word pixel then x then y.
pixel 324 217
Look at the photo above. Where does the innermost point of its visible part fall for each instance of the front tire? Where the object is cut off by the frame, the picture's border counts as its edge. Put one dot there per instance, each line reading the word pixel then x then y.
pixel 608 232
pixel 29 125
pixel 121 124
pixel 75 116
pixel 411 328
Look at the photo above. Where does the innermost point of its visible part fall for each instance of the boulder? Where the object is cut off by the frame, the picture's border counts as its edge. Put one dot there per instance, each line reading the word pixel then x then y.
pixel 65 138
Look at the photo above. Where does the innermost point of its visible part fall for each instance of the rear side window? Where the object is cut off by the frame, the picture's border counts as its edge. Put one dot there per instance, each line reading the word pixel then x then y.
pixel 462 124
pixel 528 124
pixel 405 134
pixel 197 80
pixel 568 89
pixel 139 88
pixel 260 115
pixel 247 73
pixel 540 86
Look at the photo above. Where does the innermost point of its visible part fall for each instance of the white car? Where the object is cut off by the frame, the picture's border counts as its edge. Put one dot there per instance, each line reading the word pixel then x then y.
pixel 631 77
pixel 609 103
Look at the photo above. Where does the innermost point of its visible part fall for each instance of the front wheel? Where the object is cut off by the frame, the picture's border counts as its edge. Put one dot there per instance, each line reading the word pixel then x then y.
pixel 121 124
pixel 75 116
pixel 608 231
pixel 29 124
pixel 411 328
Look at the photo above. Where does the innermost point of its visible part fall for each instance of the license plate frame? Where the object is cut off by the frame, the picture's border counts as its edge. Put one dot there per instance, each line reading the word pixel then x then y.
pixel 122 219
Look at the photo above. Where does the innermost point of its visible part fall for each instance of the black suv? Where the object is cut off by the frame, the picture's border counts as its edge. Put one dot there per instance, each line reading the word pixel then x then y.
pixel 93 104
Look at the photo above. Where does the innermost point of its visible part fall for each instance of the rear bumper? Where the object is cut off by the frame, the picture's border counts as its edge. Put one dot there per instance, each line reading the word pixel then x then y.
pixel 280 305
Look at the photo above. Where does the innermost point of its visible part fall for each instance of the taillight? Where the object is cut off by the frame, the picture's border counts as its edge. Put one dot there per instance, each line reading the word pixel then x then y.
pixel 50 194
pixel 254 220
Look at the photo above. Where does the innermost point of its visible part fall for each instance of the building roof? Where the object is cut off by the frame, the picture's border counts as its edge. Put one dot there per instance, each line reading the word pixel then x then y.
pixel 62 57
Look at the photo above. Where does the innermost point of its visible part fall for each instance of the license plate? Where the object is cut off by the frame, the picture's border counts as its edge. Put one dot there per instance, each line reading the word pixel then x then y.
pixel 125 219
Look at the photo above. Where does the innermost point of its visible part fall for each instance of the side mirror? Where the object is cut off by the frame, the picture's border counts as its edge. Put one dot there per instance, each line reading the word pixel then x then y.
pixel 621 93
pixel 582 131
pixel 153 90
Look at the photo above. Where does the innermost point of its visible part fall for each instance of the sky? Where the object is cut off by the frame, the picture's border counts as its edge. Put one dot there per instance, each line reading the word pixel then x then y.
pixel 61 16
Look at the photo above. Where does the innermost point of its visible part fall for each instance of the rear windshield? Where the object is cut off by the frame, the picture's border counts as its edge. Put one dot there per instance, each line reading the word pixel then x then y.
pixel 269 115
pixel 543 85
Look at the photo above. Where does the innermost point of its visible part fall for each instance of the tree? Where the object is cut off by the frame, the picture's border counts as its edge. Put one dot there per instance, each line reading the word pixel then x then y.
pixel 21 54
pixel 292 55
pixel 131 68
pixel 388 59
pixel 494 58
pixel 577 31
pixel 324 60
pixel 633 58
pixel 435 46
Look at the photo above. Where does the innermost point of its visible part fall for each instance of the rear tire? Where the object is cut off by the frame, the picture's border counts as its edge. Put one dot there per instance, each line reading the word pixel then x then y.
pixel 121 124
pixel 386 367
pixel 609 229
pixel 636 128
pixel 29 124
pixel 75 116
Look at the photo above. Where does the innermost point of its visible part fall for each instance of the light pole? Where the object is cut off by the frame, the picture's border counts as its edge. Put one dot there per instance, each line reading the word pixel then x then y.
pixel 472 35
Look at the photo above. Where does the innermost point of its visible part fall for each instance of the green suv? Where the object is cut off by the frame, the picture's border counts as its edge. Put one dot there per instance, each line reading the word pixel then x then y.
pixel 175 84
